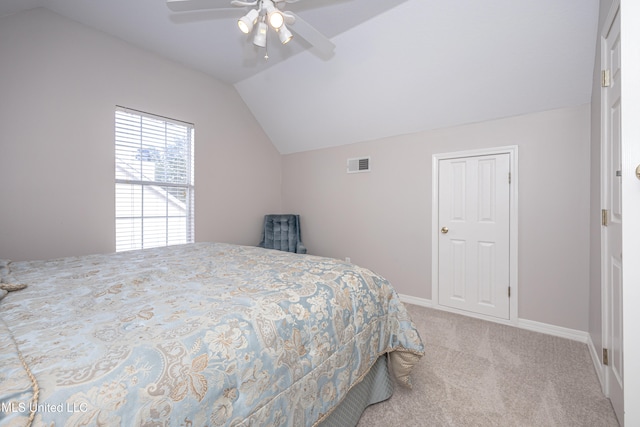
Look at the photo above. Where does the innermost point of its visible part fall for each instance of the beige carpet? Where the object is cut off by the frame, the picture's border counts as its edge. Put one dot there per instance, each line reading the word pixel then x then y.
pixel 478 373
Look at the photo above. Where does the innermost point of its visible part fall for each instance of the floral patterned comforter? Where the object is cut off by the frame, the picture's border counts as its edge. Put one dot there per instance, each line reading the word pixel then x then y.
pixel 205 334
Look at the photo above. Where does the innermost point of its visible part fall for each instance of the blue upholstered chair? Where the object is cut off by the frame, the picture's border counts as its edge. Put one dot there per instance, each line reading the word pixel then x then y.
pixel 282 232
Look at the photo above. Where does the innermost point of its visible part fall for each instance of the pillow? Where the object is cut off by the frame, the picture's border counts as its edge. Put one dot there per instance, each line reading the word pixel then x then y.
pixel 5 286
pixel 9 287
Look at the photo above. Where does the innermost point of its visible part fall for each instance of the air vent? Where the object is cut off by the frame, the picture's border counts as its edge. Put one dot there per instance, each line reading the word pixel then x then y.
pixel 360 164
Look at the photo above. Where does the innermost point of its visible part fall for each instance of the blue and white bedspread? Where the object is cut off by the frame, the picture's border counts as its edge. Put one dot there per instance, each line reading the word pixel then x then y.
pixel 205 334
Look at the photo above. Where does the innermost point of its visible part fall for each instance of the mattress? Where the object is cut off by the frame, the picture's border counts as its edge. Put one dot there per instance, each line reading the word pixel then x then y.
pixel 199 334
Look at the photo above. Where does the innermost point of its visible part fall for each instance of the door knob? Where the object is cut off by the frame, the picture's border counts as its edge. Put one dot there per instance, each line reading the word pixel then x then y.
pixel 444 230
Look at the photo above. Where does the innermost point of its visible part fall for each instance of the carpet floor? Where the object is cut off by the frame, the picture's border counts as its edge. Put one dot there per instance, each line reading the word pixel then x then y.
pixel 480 373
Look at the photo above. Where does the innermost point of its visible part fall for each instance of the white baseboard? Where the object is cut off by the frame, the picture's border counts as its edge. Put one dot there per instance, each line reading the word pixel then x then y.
pixel 422 302
pixel 530 325
pixel 557 331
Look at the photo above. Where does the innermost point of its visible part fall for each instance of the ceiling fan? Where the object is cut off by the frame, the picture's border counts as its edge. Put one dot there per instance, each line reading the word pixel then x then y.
pixel 262 15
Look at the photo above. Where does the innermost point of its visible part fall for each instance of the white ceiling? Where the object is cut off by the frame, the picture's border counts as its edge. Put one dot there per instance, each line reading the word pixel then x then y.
pixel 400 66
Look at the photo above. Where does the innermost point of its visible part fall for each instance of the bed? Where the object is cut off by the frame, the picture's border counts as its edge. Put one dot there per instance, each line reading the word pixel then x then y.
pixel 199 334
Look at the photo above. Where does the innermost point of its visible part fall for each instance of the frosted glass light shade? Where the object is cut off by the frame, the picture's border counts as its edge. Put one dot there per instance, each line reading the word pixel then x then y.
pixel 260 38
pixel 246 22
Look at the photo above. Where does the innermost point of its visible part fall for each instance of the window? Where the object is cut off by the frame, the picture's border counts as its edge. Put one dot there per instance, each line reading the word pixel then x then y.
pixel 154 181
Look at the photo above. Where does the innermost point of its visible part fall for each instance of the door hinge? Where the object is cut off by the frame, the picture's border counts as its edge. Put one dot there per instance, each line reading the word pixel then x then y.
pixel 509 177
pixel 605 356
pixel 509 291
pixel 606 78
pixel 605 217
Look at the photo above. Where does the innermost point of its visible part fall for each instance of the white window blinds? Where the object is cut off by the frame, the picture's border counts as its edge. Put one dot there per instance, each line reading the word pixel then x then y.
pixel 154 181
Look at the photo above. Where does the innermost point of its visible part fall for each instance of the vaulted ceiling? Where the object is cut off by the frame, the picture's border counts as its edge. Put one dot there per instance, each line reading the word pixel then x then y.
pixel 399 66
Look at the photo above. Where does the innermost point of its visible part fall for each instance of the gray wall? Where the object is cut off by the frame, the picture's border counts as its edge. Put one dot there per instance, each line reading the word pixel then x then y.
pixel 60 83
pixel 382 219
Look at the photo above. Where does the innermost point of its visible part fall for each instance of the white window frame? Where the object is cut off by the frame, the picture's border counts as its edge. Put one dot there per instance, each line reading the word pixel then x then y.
pixel 140 195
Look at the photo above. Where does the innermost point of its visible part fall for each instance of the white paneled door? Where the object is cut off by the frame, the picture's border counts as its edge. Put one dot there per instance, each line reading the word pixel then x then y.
pixel 473 220
pixel 612 213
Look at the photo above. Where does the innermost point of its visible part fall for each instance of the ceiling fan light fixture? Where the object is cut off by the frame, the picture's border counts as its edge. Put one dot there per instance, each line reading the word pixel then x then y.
pixel 289 18
pixel 260 39
pixel 247 22
pixel 284 34
pixel 274 16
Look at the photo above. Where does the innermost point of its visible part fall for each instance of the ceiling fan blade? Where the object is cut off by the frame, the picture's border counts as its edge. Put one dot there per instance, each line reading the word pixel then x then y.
pixel 187 5
pixel 314 37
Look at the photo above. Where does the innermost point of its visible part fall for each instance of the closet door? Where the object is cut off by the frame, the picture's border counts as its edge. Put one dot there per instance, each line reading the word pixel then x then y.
pixel 474 226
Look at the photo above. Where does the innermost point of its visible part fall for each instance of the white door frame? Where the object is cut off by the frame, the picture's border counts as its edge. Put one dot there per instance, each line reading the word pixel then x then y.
pixel 605 170
pixel 512 150
pixel 630 36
